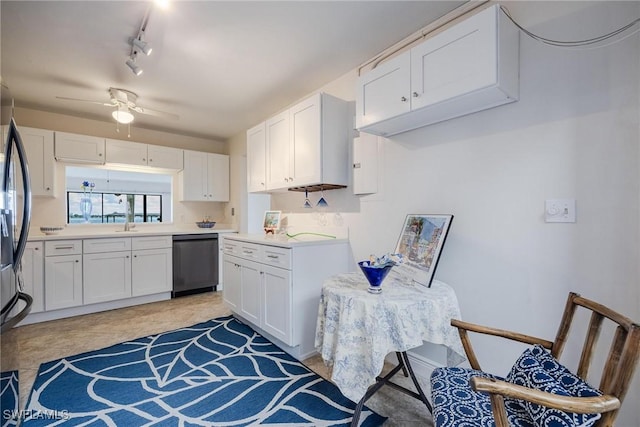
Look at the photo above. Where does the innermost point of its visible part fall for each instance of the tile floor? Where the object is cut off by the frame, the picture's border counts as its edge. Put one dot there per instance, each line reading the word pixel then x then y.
pixel 43 342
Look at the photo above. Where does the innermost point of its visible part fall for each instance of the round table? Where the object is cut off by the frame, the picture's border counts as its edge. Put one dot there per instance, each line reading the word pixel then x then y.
pixel 356 329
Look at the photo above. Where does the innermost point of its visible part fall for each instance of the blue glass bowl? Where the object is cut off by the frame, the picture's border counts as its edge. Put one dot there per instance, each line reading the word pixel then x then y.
pixel 375 275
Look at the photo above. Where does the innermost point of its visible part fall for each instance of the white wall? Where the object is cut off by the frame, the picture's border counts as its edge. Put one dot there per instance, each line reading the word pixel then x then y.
pixel 573 134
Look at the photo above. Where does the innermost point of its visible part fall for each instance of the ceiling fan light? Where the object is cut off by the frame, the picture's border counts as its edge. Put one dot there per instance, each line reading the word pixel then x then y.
pixel 134 67
pixel 122 115
pixel 143 46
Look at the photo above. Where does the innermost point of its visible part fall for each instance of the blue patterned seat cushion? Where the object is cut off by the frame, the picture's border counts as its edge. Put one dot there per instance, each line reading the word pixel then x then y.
pixel 456 404
pixel 571 382
pixel 536 368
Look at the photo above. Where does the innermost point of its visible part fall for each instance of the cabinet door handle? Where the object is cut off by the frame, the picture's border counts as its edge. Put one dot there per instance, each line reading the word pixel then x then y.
pixel 273 256
pixel 77 260
pixel 356 165
pixel 403 99
pixel 63 247
pixel 416 94
pixel 36 249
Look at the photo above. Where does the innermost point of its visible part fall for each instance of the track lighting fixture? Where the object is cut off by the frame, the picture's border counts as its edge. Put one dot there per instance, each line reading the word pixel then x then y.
pixel 138 44
pixel 143 46
pixel 131 62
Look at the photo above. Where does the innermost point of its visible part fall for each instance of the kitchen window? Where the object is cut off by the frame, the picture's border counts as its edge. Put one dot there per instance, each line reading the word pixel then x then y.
pixel 106 192
pixel 110 208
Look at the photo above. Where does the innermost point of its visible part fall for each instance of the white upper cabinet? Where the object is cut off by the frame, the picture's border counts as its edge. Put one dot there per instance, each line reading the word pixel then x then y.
pixel 385 91
pixel 205 177
pixel 306 145
pixel 256 159
pixel 74 148
pixel 126 152
pixel 277 151
pixel 138 154
pixel 38 144
pixel 164 157
pixel 469 67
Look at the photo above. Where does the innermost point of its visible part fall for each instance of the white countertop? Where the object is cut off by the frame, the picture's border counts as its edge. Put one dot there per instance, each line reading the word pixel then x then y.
pixel 282 240
pixel 111 230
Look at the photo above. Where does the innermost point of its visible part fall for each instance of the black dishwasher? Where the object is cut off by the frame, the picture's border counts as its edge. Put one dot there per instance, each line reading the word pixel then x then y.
pixel 195 263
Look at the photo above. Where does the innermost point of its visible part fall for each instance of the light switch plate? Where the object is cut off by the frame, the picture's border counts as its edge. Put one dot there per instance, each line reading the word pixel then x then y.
pixel 560 210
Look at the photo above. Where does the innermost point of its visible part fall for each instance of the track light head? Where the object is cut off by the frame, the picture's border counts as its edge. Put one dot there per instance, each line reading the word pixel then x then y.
pixel 142 45
pixel 134 67
pixel 122 115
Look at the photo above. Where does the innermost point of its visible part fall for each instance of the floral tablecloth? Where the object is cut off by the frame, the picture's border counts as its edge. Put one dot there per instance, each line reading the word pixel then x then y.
pixel 356 329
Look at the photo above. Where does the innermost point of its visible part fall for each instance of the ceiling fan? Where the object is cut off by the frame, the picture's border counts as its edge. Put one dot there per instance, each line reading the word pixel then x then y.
pixel 124 103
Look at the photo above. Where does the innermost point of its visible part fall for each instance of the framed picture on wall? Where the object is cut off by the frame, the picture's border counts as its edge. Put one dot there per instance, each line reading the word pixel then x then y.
pixel 271 221
pixel 420 243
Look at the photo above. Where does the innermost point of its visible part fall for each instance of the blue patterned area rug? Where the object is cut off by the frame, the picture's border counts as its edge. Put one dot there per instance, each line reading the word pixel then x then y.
pixel 216 373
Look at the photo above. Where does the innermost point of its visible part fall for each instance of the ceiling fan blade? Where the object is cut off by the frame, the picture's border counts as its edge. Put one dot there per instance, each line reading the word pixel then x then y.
pixel 106 104
pixel 156 113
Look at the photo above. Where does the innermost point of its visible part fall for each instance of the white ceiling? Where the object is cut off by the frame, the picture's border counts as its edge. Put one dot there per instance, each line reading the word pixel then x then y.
pixel 222 66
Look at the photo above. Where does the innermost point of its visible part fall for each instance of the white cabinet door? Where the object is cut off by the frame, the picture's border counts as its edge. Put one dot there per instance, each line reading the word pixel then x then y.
pixel 33 275
pixel 232 278
pixel 455 62
pixel 277 303
pixel 365 164
pixel 278 162
pixel 165 157
pixel 38 144
pixel 205 177
pixel 195 176
pixel 63 281
pixel 218 177
pixel 151 271
pixel 106 276
pixel 70 147
pixel 256 159
pixel 250 290
pixel 469 67
pixel 385 91
pixel 126 152
pixel 306 142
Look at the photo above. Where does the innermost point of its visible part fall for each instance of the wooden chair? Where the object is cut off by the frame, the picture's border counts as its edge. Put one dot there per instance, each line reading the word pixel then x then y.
pixel 615 379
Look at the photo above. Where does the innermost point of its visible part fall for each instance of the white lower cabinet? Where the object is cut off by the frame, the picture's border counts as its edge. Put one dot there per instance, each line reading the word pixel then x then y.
pixel 231 271
pixel 106 276
pixel 106 265
pixel 277 288
pixel 276 303
pixel 99 270
pixel 33 274
pixel 62 274
pixel 151 271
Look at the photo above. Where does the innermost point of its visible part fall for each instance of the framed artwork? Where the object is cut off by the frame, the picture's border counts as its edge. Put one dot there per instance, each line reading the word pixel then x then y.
pixel 420 243
pixel 271 221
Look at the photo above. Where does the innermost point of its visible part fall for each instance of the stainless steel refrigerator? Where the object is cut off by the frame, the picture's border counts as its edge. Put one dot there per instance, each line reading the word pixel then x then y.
pixel 15 215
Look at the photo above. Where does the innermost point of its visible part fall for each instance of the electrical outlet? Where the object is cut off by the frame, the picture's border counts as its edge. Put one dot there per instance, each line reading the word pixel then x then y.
pixel 560 210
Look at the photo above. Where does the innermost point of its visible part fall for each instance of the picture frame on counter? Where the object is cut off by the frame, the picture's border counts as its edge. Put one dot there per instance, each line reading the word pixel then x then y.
pixel 421 241
pixel 271 221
